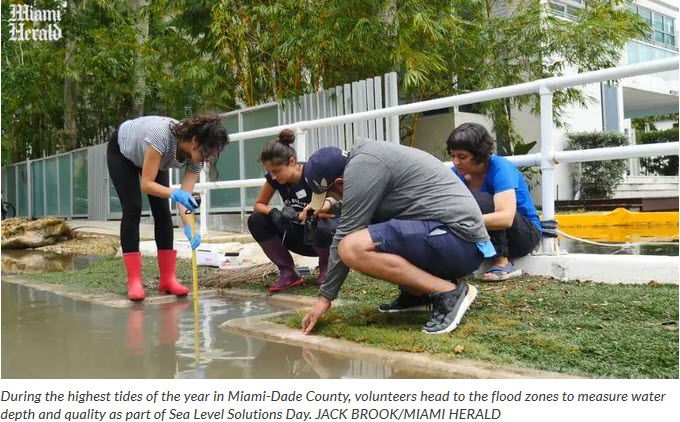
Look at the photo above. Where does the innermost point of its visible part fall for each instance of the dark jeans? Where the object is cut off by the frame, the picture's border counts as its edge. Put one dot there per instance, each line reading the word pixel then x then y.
pixel 263 228
pixel 125 176
pixel 517 240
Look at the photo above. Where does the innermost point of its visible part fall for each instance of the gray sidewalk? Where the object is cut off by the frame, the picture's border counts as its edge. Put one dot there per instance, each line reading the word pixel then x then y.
pixel 146 231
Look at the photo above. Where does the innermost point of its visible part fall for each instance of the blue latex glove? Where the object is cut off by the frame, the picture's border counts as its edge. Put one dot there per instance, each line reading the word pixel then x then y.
pixel 184 198
pixel 195 241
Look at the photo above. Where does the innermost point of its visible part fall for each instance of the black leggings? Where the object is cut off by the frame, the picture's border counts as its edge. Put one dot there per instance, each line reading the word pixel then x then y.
pixel 517 240
pixel 263 228
pixel 125 177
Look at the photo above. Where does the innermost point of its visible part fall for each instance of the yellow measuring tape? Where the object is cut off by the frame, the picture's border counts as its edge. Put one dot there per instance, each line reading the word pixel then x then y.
pixel 194 266
pixel 194 274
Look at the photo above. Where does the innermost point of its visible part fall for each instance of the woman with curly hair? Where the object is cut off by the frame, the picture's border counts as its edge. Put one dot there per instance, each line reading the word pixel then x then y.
pixel 147 147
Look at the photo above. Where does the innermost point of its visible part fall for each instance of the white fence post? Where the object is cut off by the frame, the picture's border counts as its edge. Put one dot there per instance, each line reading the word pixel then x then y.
pixel 634 163
pixel 203 208
pixel 301 144
pixel 549 245
pixel 392 100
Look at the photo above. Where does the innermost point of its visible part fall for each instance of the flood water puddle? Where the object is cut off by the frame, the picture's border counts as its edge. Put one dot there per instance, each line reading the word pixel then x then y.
pixel 635 247
pixel 45 335
pixel 18 261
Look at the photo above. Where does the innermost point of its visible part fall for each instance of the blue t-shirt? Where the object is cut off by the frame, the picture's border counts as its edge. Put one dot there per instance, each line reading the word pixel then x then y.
pixel 501 176
pixel 297 196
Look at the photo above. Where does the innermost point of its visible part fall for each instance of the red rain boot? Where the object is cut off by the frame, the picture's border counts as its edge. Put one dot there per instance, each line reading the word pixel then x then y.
pixel 168 283
pixel 133 266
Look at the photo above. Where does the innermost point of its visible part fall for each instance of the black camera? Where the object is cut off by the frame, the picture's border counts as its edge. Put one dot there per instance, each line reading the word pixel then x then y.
pixel 310 229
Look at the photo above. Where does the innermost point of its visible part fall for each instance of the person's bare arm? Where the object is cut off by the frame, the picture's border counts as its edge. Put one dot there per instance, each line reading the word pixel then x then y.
pixel 188 183
pixel 505 205
pixel 263 198
pixel 150 167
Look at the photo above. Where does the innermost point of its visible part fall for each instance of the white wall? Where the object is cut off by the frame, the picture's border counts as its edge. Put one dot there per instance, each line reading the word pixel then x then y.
pixel 665 125
pixel 432 131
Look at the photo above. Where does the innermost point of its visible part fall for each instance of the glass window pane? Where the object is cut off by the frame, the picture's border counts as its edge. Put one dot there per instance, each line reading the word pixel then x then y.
pixel 228 166
pixel 633 52
pixel 573 11
pixel 646 16
pixel 669 25
pixel 646 53
pixel 51 187
pixel 37 194
pixel 80 182
pixel 658 22
pixel 22 191
pixel 659 36
pixel 256 120
pixel 64 185
pixel 229 169
pixel 559 8
pixel 10 194
pixel 670 40
pixel 114 202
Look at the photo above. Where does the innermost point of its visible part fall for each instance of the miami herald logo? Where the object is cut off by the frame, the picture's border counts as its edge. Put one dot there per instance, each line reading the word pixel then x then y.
pixel 24 20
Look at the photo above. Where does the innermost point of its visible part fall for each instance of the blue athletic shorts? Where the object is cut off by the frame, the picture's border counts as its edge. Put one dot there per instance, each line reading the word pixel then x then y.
pixel 429 245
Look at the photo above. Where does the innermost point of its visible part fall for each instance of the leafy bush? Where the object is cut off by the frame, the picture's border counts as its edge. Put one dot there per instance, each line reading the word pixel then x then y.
pixel 666 165
pixel 597 179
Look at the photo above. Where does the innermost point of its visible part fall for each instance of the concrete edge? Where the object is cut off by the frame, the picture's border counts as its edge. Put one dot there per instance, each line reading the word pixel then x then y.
pixel 111 300
pixel 422 362
pixel 607 269
pixel 285 299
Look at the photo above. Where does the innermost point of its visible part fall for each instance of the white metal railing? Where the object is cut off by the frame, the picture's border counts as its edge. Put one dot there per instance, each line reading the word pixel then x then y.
pixel 547 158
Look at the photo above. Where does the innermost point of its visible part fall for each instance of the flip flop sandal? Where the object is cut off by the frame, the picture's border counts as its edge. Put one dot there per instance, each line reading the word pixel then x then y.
pixel 498 273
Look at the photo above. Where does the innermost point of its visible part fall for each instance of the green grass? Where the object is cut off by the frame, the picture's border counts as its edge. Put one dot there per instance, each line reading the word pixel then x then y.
pixel 109 275
pixel 617 331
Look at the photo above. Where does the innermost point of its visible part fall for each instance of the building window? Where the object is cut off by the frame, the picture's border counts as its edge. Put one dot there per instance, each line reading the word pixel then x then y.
pixel 662 27
pixel 568 9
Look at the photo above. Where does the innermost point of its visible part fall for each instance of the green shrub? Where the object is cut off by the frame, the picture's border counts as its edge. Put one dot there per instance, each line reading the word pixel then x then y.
pixel 597 179
pixel 666 165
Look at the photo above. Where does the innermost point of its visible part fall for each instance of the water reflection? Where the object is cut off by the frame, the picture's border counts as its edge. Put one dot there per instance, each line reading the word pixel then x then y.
pixel 49 336
pixel 18 261
pixel 653 248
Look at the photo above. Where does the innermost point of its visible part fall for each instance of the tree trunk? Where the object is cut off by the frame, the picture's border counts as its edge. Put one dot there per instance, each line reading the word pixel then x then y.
pixel 139 74
pixel 70 95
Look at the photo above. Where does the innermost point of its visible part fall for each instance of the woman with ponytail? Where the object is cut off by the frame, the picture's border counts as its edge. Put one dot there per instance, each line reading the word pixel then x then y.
pixel 146 148
pixel 280 231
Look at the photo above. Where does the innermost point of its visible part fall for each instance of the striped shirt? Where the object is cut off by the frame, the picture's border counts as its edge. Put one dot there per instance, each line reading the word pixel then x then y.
pixel 134 136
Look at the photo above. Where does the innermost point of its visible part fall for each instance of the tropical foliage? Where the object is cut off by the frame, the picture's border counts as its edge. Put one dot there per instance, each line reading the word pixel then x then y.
pixel 664 165
pixel 597 179
pixel 120 59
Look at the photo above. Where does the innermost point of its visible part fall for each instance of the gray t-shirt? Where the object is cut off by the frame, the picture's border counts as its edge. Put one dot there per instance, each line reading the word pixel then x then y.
pixel 134 136
pixel 384 181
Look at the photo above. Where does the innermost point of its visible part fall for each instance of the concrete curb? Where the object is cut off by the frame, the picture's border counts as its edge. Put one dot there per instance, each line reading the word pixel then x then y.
pixel 111 300
pixel 421 362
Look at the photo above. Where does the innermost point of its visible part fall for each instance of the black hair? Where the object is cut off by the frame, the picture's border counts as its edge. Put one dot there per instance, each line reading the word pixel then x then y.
pixel 471 137
pixel 210 135
pixel 279 151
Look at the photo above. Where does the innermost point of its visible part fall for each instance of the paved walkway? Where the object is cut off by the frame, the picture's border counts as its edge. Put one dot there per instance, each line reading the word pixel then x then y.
pixel 146 231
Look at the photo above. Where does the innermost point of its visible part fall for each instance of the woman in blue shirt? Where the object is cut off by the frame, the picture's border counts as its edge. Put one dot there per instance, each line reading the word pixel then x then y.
pixel 510 216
